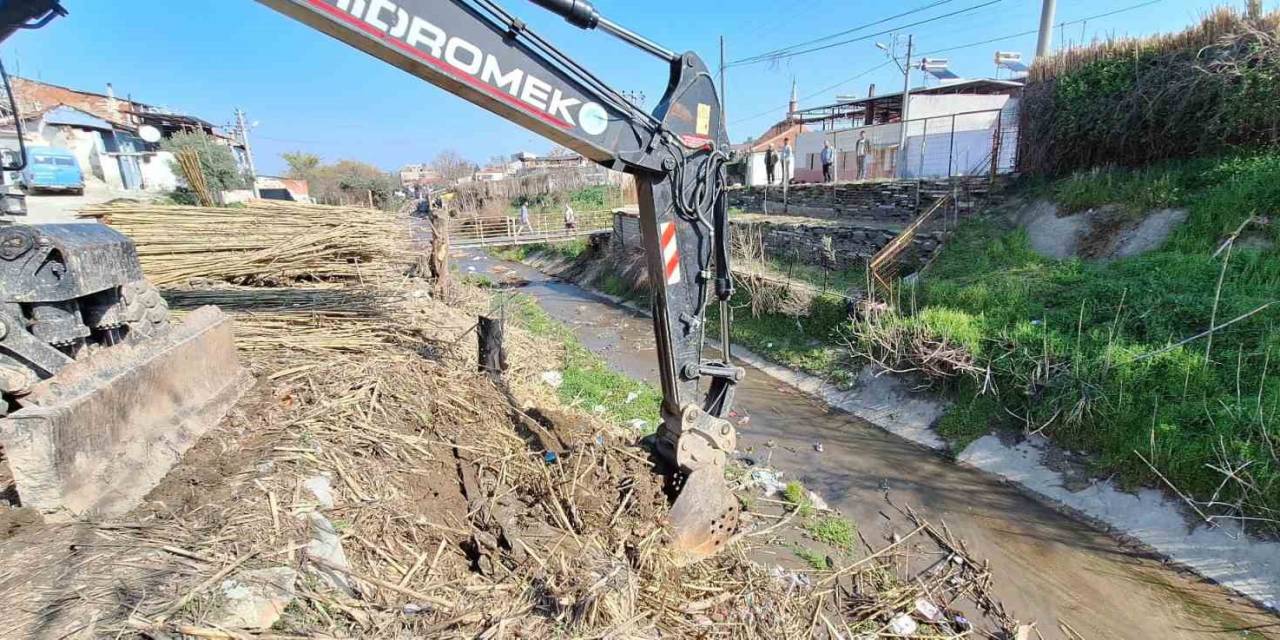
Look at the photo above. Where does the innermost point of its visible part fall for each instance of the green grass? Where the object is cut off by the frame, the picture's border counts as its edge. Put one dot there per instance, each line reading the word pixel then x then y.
pixel 588 380
pixel 810 342
pixel 568 250
pixel 798 497
pixel 817 561
pixel 832 530
pixel 1091 326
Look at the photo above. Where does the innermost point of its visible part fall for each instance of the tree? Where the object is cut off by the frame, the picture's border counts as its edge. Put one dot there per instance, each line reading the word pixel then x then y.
pixel 217 162
pixel 301 164
pixel 451 165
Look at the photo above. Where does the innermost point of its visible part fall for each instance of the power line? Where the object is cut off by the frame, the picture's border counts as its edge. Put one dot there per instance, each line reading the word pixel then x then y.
pixel 999 39
pixel 955 48
pixel 790 54
pixel 846 32
pixel 816 93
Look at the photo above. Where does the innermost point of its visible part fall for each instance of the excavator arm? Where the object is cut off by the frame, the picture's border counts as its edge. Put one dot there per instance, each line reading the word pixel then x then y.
pixel 480 52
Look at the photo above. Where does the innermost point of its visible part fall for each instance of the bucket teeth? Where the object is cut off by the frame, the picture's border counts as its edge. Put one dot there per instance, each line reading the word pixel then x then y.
pixel 704 516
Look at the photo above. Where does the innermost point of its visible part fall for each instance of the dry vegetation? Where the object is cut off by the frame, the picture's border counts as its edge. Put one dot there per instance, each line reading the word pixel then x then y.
pixel 1206 90
pixel 452 520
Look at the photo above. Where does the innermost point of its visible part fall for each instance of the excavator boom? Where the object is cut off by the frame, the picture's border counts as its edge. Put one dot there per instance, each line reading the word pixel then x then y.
pixel 478 51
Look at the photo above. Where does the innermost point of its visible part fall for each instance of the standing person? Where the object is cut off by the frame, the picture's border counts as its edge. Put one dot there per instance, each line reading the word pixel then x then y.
pixel 525 223
pixel 786 160
pixel 570 218
pixel 860 150
pixel 828 160
pixel 770 164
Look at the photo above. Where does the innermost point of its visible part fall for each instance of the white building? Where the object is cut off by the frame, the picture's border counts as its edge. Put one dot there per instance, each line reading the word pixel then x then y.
pixel 967 127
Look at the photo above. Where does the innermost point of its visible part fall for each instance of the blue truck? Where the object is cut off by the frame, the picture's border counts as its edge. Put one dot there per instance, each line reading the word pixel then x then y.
pixel 52 169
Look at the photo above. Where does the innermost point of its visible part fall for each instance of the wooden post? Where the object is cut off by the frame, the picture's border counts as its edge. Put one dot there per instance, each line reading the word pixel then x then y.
pixel 493 353
pixel 438 262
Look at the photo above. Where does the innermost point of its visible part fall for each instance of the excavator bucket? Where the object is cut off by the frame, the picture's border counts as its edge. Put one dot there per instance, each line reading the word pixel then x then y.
pixel 95 438
pixel 704 516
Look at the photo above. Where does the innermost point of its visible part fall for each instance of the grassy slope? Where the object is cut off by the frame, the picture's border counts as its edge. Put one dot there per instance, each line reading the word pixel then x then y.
pixel 588 381
pixel 1091 324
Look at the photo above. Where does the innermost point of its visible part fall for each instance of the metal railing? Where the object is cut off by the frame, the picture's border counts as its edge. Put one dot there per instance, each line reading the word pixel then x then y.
pixel 545 227
pixel 883 267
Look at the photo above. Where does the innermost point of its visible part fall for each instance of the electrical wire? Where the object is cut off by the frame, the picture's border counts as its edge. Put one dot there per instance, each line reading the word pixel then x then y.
pixel 748 61
pixel 846 32
pixel 817 93
pixel 957 48
pixel 1034 31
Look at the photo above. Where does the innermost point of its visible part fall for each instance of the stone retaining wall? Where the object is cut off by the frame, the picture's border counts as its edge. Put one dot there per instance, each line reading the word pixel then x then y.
pixel 848 247
pixel 882 201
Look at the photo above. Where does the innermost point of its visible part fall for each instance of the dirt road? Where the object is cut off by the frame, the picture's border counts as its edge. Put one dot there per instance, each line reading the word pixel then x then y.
pixel 1048 568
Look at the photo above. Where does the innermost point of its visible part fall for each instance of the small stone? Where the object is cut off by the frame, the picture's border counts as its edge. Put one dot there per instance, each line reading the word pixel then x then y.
pixel 631 397
pixel 265 468
pixel 817 446
pixel 256 599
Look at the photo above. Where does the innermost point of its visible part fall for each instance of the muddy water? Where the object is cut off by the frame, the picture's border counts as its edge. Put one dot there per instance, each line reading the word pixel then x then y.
pixel 1048 568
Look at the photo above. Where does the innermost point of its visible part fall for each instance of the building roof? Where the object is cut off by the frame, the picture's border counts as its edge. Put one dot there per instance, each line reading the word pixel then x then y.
pixel 68 115
pixel 977 85
pixel 776 133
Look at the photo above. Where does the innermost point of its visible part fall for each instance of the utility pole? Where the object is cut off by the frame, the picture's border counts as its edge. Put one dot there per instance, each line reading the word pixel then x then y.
pixel 243 129
pixel 1046 27
pixel 723 102
pixel 906 103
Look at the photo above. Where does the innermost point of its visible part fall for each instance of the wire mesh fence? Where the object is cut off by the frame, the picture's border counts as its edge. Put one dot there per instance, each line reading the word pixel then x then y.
pixel 974 143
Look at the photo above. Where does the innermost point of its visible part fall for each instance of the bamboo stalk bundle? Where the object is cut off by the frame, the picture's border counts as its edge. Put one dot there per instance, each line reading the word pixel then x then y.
pixel 263 243
pixel 299 323
pixel 189 162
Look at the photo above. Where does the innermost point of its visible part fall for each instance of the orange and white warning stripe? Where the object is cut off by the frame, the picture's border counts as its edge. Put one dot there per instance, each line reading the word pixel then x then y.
pixel 670 252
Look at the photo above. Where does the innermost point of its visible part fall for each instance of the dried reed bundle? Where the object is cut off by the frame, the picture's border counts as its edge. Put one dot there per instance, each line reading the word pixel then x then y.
pixel 261 243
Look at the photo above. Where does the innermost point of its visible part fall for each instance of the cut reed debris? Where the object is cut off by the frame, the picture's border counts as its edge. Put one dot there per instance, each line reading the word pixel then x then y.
pixel 261 243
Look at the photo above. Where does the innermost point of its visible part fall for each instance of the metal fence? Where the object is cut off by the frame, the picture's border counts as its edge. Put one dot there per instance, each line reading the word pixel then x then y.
pixel 975 143
pixel 544 227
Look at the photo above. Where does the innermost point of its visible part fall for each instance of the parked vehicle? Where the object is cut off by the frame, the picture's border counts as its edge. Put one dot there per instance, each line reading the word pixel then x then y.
pixel 52 169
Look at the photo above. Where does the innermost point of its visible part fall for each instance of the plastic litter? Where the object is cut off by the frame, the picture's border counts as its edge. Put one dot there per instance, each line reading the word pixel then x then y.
pixel 631 397
pixel 550 457
pixel 817 502
pixel 319 487
pixel 903 625
pixel 553 379
pixel 817 446
pixel 768 480
pixel 638 424
pixel 744 420
pixel 928 610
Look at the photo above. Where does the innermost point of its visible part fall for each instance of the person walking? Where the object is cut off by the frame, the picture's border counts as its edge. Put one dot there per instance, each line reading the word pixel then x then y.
pixel 828 161
pixel 570 218
pixel 786 160
pixel 861 149
pixel 770 164
pixel 525 222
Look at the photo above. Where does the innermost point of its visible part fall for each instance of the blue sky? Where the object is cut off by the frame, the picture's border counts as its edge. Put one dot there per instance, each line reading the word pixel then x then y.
pixel 309 92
